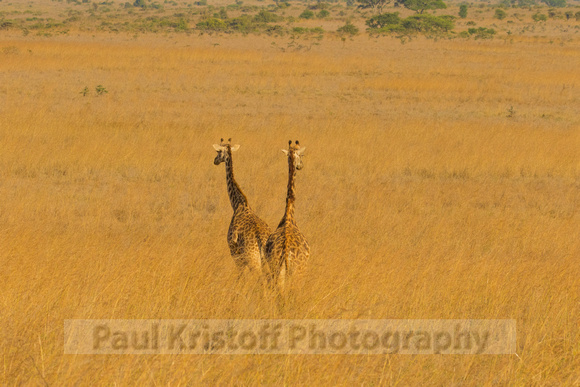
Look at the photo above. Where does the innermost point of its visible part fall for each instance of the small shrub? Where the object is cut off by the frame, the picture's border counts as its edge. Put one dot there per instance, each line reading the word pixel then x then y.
pixel 463 11
pixel 212 24
pixel 307 14
pixel 319 5
pixel 500 14
pixel 244 24
pixel 555 3
pixel 275 30
pixel 539 17
pixel 266 17
pixel 348 29
pixel 322 14
pixel 481 32
pixel 100 89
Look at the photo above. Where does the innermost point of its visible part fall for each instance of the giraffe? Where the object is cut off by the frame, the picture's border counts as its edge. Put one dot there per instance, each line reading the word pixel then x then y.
pixel 247 234
pixel 287 251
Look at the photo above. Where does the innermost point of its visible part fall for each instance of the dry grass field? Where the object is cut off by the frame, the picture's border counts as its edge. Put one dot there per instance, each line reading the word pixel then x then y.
pixel 441 181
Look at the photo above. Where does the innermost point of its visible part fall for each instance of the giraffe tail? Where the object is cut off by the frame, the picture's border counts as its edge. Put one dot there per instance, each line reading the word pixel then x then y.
pixel 285 264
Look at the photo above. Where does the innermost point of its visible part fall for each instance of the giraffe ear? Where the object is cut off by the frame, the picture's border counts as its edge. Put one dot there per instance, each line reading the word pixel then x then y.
pixel 300 151
pixel 285 151
pixel 235 147
pixel 216 147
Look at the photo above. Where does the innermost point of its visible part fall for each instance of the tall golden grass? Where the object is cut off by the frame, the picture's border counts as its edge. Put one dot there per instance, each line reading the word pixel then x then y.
pixel 441 181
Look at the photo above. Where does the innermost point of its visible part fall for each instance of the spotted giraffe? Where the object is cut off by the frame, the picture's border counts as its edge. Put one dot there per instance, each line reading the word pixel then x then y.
pixel 287 251
pixel 247 234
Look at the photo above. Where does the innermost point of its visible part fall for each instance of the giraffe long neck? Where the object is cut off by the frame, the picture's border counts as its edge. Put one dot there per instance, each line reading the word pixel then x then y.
pixel 291 195
pixel 236 195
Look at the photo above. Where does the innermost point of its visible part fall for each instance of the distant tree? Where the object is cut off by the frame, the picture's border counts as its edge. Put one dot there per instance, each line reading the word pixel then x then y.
pixel 500 14
pixel 384 19
pixel 517 3
pixel 374 5
pixel 140 4
pixel 555 3
pixel 569 15
pixel 422 5
pixel 463 11
pixel 428 23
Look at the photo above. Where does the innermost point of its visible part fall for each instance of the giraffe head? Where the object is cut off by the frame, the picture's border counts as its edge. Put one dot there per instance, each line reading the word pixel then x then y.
pixel 296 153
pixel 224 150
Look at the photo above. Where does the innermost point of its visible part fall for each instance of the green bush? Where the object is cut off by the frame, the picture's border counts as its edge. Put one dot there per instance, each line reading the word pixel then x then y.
pixel 539 17
pixel 307 14
pixel 382 20
pixel 481 32
pixel 223 14
pixel 463 11
pixel 212 24
pixel 422 5
pixel 275 30
pixel 428 23
pixel 517 3
pixel 422 23
pixel 349 29
pixel 555 3
pixel 304 30
pixel 243 24
pixel 266 17
pixel 319 5
pixel 500 14
pixel 322 14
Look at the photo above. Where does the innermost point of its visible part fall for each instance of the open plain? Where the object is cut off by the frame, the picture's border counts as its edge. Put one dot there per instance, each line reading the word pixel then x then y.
pixel 441 181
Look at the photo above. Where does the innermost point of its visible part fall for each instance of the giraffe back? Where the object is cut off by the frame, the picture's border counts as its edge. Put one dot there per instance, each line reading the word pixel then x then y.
pixel 247 237
pixel 287 254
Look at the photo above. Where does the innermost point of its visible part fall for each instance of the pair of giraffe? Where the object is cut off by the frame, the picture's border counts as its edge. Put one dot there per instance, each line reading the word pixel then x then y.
pixel 280 255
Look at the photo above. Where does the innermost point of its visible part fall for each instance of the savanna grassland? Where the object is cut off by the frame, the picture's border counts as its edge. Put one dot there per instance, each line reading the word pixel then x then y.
pixel 441 181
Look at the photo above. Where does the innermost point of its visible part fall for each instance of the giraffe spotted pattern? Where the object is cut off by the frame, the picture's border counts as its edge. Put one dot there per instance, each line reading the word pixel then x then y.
pixel 247 234
pixel 287 250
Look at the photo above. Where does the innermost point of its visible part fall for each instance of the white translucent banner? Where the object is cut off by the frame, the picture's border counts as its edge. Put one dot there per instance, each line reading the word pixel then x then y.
pixel 241 337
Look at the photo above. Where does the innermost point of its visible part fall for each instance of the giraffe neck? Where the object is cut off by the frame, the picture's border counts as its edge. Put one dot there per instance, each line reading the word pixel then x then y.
pixel 290 196
pixel 236 195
